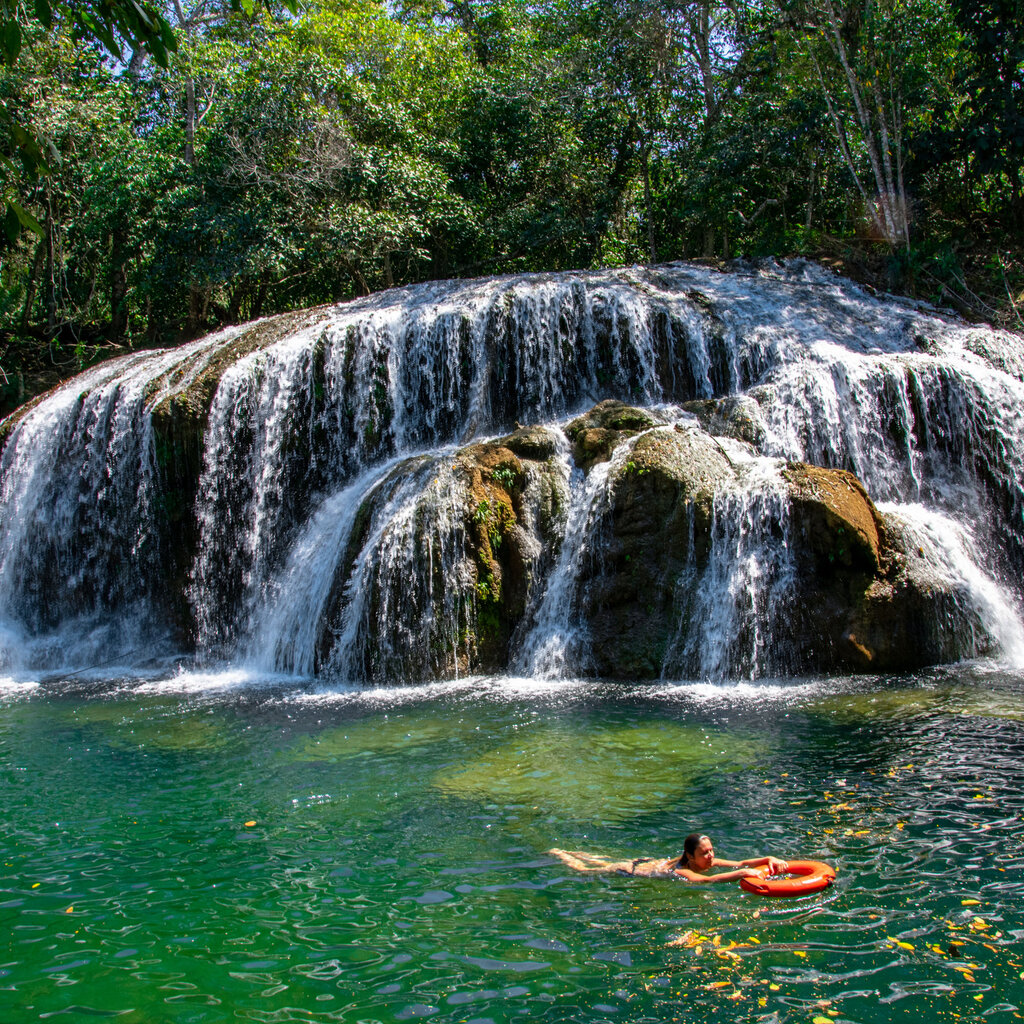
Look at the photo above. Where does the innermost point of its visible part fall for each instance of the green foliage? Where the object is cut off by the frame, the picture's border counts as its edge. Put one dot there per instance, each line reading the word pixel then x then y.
pixel 265 158
pixel 505 475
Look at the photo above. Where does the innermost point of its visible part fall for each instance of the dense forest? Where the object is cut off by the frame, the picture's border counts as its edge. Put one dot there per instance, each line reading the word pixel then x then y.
pixel 168 170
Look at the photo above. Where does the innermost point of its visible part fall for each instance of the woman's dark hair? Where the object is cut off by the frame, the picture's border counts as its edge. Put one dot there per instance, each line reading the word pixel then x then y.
pixel 690 844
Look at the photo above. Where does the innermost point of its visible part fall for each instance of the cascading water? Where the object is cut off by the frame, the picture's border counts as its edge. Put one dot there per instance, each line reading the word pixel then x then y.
pixel 301 430
pixel 555 640
pixel 79 546
pixel 734 611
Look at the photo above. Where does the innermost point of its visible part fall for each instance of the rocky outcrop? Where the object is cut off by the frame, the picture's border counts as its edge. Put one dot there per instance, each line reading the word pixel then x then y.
pixel 849 592
pixel 596 434
pixel 868 598
pixel 657 525
pixel 858 595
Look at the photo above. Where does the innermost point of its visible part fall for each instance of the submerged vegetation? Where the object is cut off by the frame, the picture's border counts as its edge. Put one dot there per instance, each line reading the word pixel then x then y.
pixel 265 159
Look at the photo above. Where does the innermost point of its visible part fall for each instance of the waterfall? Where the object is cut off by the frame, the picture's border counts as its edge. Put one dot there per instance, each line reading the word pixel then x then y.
pixel 734 612
pixel 289 618
pixel 555 639
pixel 78 541
pixel 950 552
pixel 289 493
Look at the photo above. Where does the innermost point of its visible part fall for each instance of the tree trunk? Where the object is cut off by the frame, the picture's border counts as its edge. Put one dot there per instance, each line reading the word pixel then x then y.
pixel 190 121
pixel 645 160
pixel 709 242
pixel 50 279
pixel 33 284
pixel 118 287
pixel 809 215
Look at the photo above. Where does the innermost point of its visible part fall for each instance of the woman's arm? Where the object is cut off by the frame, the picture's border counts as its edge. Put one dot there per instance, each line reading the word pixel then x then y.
pixel 774 865
pixel 725 876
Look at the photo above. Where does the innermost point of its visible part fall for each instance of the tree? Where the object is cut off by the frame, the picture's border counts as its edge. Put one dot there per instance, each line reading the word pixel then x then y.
pixel 112 23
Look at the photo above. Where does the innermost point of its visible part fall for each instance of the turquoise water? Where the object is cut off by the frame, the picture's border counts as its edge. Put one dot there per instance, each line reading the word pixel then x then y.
pixel 205 849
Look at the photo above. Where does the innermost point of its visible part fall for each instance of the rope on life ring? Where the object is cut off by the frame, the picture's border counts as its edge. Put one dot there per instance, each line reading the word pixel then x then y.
pixel 802 877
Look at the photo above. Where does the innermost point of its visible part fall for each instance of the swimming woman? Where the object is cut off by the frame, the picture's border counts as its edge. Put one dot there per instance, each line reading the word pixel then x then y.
pixel 693 864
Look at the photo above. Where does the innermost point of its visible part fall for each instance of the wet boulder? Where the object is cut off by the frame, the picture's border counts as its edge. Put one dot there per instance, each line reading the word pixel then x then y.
pixel 736 416
pixel 868 597
pixel 656 527
pixel 596 434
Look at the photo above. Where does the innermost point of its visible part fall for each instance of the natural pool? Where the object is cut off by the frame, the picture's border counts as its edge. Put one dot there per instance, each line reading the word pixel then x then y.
pixel 219 848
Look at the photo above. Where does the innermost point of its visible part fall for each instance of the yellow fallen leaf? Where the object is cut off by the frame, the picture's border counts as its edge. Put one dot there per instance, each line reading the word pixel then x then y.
pixel 718 984
pixel 35 885
pixel 979 997
pixel 70 910
pixel 799 952
pixel 822 1020
pixel 249 824
pixel 897 942
pixel 775 988
pixel 737 994
pixel 862 832
pixel 969 903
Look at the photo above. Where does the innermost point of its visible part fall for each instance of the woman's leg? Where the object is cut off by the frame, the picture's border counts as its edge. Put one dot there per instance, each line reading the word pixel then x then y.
pixel 580 861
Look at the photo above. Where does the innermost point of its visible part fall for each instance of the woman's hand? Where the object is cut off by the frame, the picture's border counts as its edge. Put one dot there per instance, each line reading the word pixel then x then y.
pixel 776 866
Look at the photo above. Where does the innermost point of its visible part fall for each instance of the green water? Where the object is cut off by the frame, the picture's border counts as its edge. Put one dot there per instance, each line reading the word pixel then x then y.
pixel 204 850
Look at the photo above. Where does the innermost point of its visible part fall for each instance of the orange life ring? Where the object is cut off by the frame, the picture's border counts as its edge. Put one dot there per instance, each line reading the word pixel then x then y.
pixel 801 878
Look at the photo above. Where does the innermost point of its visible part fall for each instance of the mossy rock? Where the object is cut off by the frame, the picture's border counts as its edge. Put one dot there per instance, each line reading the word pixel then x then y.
pixel 738 417
pixel 834 517
pixel 658 524
pixel 596 434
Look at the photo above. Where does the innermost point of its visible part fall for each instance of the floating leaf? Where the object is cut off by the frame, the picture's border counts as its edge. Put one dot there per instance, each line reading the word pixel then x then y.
pixel 969 903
